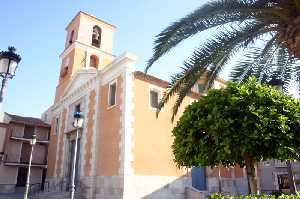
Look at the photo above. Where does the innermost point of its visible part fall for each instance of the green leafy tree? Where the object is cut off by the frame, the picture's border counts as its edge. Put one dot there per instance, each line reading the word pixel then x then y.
pixel 241 124
pixel 267 31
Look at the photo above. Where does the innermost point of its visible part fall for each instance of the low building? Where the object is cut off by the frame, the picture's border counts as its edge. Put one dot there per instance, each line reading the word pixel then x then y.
pixel 274 176
pixel 15 134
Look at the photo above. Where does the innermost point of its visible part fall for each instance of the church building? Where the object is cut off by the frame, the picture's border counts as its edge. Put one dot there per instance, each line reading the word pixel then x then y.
pixel 124 151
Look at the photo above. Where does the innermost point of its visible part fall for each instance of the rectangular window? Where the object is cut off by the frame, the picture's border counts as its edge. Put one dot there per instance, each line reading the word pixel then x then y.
pixel 57 125
pixel 201 88
pixel 154 98
pixel 28 131
pixel 112 94
pixel 283 181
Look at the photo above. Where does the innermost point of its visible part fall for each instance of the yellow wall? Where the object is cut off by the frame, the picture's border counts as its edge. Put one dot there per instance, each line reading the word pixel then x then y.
pixel 108 150
pixel 152 137
pixel 73 26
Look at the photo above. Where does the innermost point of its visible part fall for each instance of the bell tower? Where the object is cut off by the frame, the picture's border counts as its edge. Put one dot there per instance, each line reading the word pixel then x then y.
pixel 88 45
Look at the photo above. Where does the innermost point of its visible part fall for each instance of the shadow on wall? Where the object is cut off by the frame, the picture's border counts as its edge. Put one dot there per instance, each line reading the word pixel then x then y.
pixel 171 189
pixel 185 187
pixel 230 181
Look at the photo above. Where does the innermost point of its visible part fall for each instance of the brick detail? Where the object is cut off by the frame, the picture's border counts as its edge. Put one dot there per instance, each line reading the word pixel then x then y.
pixel 61 144
pixel 52 150
pixel 89 134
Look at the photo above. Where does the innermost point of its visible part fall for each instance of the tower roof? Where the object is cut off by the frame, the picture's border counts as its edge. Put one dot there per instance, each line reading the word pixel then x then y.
pixel 91 16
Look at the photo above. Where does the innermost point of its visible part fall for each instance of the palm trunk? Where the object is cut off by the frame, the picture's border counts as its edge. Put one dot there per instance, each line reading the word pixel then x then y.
pixel 251 175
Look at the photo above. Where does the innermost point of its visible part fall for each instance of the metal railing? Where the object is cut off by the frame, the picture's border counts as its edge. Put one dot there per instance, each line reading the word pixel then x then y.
pixel 14 159
pixel 65 186
pixel 25 137
pixel 278 163
pixel 36 190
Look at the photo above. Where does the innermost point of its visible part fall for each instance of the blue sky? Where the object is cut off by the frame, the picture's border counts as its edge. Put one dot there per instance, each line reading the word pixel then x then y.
pixel 37 29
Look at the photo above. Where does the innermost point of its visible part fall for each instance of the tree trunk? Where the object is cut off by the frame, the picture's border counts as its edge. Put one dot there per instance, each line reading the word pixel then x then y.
pixel 251 175
pixel 292 184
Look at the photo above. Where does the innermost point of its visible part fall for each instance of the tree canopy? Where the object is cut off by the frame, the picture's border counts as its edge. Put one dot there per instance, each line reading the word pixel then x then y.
pixel 238 125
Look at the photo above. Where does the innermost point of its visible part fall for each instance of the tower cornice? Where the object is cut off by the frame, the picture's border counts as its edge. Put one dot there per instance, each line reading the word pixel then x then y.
pixel 91 16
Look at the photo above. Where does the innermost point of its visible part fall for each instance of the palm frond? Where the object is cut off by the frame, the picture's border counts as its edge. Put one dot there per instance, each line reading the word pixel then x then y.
pixel 273 60
pixel 284 67
pixel 212 14
pixel 216 51
pixel 255 62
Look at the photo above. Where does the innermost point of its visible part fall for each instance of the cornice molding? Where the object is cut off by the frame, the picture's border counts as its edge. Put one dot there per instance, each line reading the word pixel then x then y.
pixel 85 47
pixel 116 67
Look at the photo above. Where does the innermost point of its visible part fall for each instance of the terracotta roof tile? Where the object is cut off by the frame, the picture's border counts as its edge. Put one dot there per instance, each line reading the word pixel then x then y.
pixel 161 83
pixel 27 120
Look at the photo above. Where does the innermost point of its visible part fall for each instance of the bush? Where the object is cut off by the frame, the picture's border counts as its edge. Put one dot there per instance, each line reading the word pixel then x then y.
pixel 218 196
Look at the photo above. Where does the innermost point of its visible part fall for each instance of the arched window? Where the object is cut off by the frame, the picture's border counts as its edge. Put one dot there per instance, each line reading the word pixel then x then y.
pixel 94 61
pixel 96 38
pixel 71 37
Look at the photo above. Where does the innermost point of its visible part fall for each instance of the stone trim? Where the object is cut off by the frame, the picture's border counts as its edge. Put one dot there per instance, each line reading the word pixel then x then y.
pixel 59 163
pixel 78 93
pixel 95 136
pixel 126 132
pixel 52 149
pixel 89 134
pixel 105 75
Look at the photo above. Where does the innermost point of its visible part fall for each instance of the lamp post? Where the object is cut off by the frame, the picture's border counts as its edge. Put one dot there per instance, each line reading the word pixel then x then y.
pixel 278 84
pixel 32 143
pixel 9 61
pixel 78 123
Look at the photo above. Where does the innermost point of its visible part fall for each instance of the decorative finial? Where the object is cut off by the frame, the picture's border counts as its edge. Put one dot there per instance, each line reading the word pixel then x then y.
pixel 12 49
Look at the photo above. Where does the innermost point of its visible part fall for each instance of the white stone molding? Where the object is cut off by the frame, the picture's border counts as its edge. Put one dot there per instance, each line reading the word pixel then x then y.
pixel 83 138
pixel 57 143
pixel 63 146
pixel 127 133
pixel 95 139
pixel 85 47
pixel 76 94
pixel 128 120
pixel 105 75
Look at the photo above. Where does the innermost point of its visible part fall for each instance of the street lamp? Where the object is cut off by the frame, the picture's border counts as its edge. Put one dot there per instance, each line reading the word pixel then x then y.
pixel 9 61
pixel 32 142
pixel 278 84
pixel 78 123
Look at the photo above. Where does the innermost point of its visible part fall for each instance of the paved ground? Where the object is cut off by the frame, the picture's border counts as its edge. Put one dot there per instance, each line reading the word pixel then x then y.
pixel 45 195
pixel 11 195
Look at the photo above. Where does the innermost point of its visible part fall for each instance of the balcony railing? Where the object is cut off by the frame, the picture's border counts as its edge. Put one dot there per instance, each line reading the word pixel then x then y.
pixel 24 138
pixel 12 160
pixel 278 163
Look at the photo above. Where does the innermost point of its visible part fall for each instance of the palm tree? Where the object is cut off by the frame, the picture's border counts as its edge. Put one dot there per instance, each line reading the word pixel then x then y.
pixel 266 33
